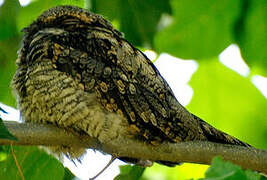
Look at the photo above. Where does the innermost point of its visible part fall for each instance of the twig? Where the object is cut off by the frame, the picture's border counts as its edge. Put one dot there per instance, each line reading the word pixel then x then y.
pixel 195 152
pixel 100 172
pixel 17 163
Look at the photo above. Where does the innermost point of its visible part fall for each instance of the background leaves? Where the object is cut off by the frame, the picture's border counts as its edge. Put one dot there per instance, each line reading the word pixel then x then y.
pixel 200 29
pixel 138 19
pixel 229 101
pixel 252 34
pixel 9 43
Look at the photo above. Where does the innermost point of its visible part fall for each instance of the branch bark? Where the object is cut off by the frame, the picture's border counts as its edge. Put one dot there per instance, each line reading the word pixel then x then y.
pixel 195 152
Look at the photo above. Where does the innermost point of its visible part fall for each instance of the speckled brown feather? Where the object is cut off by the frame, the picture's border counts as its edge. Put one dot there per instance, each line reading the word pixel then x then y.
pixel 76 71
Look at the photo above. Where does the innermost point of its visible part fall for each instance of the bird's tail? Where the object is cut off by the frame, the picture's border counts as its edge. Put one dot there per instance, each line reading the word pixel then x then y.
pixel 214 135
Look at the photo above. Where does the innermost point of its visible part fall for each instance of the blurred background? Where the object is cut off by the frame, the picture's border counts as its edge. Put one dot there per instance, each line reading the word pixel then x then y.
pixel 212 53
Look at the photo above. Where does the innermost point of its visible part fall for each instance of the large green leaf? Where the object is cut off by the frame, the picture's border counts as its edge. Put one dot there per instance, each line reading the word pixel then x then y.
pixel 68 175
pixel 200 28
pixel 8 14
pixel 4 133
pixel 229 102
pixel 251 34
pixel 138 19
pixel 34 164
pixel 3 154
pixel 9 43
pixel 129 172
pixel 184 171
pixel 220 170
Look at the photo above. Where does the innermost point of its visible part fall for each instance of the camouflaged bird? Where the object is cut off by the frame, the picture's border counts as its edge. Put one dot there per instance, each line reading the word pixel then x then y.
pixel 76 71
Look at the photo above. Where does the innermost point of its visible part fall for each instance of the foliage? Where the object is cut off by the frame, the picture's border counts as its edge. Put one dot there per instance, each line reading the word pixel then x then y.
pixel 138 19
pixel 221 170
pixel 198 29
pixel 129 172
pixel 237 103
pixel 251 34
pixel 34 164
pixel 4 133
pixel 202 29
pixel 197 26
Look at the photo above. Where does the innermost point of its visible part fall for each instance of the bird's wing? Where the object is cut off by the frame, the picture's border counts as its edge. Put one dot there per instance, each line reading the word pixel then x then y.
pixel 123 78
pixel 128 83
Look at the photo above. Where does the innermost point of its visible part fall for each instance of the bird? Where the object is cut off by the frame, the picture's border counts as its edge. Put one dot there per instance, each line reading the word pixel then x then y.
pixel 76 71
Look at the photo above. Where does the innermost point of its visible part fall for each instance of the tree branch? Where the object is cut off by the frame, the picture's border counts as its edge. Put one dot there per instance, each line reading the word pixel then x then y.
pixel 195 152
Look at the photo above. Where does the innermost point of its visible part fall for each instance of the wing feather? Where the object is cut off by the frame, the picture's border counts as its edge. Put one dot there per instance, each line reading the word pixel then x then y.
pixel 125 81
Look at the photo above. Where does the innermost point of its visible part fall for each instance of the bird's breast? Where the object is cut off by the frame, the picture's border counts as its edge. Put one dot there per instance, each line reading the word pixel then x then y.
pixel 54 97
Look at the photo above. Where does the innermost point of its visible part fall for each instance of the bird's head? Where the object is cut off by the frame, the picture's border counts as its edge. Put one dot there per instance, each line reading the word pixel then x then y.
pixel 64 19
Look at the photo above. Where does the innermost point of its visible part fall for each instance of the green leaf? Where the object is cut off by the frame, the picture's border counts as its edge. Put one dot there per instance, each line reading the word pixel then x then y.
pixel 200 29
pixel 8 13
pixel 4 133
pixel 183 171
pixel 129 172
pixel 68 174
pixel 138 19
pixel 229 102
pixel 220 170
pixel 3 154
pixel 251 34
pixel 35 164
pixel 9 43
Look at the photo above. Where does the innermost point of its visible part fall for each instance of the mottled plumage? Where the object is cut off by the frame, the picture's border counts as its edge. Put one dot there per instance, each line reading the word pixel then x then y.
pixel 76 71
